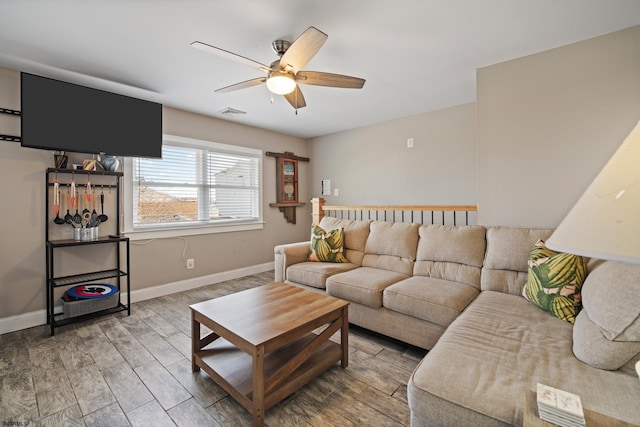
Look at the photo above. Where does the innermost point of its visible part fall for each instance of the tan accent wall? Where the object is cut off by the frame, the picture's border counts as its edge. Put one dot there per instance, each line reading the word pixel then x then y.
pixel 22 247
pixel 373 166
pixel 547 124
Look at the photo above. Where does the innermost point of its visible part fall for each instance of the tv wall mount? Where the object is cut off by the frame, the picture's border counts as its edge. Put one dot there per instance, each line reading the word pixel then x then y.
pixel 12 138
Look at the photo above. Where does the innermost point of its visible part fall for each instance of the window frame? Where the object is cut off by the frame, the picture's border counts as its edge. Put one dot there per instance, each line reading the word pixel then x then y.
pixel 151 232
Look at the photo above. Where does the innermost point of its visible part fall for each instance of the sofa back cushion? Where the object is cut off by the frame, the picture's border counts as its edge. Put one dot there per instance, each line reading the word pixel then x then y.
pixel 611 296
pixel 391 246
pixel 607 330
pixel 505 263
pixel 451 253
pixel 592 347
pixel 355 236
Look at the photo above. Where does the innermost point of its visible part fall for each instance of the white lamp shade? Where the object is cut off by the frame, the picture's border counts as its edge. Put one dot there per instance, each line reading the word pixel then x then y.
pixel 605 223
pixel 280 83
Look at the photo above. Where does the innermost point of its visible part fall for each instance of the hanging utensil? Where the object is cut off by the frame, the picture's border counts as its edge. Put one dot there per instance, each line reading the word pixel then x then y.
pixel 56 195
pixel 68 217
pixel 56 201
pixel 94 214
pixel 85 201
pixel 102 217
pixel 77 218
pixel 74 200
pixel 86 213
pixel 73 191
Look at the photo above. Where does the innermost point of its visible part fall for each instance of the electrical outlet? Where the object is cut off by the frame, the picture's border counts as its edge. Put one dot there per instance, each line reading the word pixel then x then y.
pixel 190 264
pixel 336 192
pixel 409 142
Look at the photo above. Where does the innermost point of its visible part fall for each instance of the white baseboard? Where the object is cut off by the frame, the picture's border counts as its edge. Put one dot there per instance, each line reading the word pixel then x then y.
pixel 22 321
pixel 38 317
pixel 196 282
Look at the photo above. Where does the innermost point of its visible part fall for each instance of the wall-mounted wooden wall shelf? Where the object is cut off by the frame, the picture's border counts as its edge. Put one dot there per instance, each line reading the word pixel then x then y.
pixel 287 183
pixel 288 209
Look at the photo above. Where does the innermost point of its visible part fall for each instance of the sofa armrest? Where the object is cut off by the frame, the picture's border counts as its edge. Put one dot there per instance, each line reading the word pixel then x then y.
pixel 289 254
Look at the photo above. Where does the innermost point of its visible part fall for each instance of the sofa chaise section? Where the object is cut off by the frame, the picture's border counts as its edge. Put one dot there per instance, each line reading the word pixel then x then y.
pixel 502 345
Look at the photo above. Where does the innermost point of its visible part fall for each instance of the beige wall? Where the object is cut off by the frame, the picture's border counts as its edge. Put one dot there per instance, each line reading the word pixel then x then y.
pixel 372 165
pixel 22 248
pixel 547 124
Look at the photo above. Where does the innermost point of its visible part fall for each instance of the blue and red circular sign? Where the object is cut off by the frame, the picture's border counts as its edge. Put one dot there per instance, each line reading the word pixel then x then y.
pixel 92 291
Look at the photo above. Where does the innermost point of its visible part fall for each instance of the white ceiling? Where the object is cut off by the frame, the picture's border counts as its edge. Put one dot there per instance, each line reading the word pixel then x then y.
pixel 416 55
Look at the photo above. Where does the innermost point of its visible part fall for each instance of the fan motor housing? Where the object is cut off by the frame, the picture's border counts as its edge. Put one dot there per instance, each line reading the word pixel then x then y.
pixel 280 46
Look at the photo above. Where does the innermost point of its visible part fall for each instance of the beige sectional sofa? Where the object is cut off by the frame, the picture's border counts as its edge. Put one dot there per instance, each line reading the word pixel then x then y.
pixel 456 291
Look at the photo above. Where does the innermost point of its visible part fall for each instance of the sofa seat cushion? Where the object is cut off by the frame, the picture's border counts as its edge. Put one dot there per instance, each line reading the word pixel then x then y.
pixel 498 348
pixel 435 300
pixel 315 274
pixel 363 285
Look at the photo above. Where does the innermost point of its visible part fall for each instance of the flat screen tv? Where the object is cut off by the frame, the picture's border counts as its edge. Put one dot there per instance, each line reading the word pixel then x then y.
pixel 57 115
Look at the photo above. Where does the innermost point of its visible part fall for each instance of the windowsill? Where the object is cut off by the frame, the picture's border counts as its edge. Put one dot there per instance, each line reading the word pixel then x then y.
pixel 134 235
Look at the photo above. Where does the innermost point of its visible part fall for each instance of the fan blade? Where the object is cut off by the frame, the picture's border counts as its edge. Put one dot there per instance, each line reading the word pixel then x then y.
pixel 302 49
pixel 242 85
pixel 230 55
pixel 327 79
pixel 296 99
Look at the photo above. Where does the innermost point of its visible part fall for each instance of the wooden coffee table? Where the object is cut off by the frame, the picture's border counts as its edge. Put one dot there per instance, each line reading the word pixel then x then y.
pixel 262 347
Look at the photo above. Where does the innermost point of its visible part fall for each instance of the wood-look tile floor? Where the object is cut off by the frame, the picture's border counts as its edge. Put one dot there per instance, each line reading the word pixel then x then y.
pixel 135 370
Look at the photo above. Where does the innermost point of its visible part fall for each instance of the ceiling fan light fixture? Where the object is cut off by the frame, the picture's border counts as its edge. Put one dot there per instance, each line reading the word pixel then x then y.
pixel 280 83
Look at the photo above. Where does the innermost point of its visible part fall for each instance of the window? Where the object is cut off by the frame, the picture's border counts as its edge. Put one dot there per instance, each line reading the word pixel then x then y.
pixel 196 185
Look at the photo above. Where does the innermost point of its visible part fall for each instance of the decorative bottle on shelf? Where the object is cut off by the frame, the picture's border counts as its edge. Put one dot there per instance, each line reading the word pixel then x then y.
pixel 110 163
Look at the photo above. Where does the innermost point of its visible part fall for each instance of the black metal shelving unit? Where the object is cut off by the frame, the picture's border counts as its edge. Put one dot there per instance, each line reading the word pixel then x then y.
pixel 119 272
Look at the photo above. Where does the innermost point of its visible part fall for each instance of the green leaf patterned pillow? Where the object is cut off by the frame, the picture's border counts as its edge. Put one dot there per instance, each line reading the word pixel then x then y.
pixel 554 281
pixel 327 246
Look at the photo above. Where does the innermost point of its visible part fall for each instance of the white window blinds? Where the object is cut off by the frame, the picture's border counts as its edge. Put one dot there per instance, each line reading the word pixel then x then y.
pixel 194 185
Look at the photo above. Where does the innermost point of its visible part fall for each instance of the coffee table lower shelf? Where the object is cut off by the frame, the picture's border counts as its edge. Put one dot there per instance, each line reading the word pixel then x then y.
pixel 232 368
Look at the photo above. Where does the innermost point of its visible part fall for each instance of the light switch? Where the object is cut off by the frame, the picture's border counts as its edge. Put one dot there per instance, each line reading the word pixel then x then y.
pixel 336 192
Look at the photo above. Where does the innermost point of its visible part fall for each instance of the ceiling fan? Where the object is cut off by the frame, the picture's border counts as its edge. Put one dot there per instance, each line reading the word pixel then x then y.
pixel 284 74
